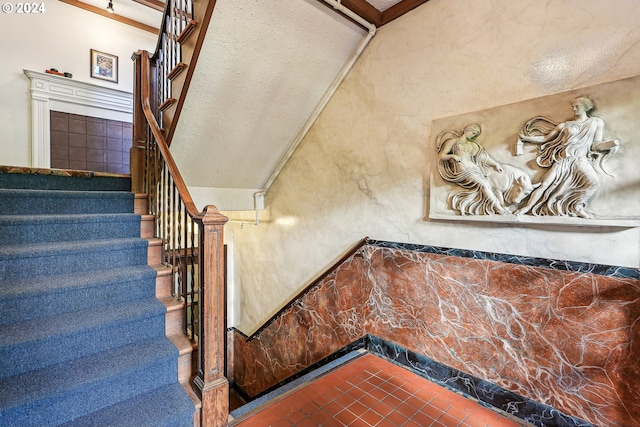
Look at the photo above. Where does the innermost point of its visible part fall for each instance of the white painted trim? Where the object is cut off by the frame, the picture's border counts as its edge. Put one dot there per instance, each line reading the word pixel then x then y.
pixel 55 93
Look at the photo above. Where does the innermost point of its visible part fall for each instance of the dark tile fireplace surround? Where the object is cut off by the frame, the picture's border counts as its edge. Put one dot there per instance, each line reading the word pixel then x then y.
pixel 89 143
pixel 555 343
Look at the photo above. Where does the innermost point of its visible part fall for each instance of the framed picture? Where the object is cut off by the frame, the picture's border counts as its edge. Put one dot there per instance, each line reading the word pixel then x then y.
pixel 104 66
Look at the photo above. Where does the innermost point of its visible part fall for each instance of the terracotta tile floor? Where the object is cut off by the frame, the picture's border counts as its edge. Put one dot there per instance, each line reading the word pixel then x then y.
pixel 370 391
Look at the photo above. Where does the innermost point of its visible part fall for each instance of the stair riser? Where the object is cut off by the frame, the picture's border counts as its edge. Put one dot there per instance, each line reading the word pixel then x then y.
pixel 22 308
pixel 15 203
pixel 65 232
pixel 175 321
pixel 52 411
pixel 187 364
pixel 147 227
pixel 65 262
pixel 154 252
pixel 141 205
pixel 164 283
pixel 55 349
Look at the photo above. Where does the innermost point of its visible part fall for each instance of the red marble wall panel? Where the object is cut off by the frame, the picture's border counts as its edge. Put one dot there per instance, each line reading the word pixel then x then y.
pixel 317 325
pixel 570 340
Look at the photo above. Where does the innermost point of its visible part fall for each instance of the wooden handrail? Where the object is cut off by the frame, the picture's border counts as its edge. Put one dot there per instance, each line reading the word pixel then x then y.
pixel 199 283
pixel 159 137
pixel 210 382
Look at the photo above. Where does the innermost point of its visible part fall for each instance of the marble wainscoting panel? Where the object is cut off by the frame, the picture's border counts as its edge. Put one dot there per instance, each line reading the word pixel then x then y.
pixel 477 389
pixel 568 339
pixel 323 321
pixel 561 334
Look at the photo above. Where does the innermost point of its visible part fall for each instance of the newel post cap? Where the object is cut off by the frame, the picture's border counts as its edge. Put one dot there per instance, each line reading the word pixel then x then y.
pixel 210 215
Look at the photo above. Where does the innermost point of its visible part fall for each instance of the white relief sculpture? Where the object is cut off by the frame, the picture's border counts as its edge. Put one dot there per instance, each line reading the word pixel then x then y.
pixel 572 152
pixel 511 185
pixel 487 187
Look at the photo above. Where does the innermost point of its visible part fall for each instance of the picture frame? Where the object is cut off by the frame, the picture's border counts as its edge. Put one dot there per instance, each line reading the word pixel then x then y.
pixel 104 66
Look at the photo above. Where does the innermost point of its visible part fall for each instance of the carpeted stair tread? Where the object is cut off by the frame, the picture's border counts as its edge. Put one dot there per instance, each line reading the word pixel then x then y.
pixel 18 229
pixel 29 220
pixel 65 194
pixel 82 335
pixel 73 292
pixel 27 288
pixel 64 391
pixel 19 201
pixel 41 259
pixel 55 179
pixel 33 250
pixel 42 383
pixel 166 406
pixel 42 342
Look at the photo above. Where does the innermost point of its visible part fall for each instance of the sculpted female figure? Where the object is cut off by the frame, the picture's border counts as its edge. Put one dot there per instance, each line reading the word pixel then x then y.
pixel 465 162
pixel 569 151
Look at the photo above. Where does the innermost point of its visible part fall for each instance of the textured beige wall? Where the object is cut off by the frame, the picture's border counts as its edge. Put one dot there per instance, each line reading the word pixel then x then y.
pixel 363 169
pixel 62 37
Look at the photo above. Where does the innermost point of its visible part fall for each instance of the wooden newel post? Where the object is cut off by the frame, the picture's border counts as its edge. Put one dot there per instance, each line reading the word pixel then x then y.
pixel 210 381
pixel 137 151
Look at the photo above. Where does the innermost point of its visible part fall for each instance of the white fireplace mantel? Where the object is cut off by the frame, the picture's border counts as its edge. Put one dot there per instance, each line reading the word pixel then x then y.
pixel 55 93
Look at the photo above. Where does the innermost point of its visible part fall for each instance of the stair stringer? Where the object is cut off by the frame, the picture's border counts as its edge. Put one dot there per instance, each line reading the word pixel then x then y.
pixel 174 318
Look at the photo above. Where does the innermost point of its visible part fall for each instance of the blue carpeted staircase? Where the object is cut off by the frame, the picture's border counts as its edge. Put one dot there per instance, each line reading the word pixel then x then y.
pixel 82 335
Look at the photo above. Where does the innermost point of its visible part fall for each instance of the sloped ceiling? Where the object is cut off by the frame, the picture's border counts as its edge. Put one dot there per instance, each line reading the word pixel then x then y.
pixel 262 73
pixel 265 71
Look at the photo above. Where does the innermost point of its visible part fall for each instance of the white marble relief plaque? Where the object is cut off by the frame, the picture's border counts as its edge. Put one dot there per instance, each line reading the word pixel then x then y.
pixel 571 158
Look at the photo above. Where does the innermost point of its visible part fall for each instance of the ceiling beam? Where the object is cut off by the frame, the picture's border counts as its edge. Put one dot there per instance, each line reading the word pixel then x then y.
pixel 115 17
pixel 369 13
pixel 365 10
pixel 399 9
pixel 153 4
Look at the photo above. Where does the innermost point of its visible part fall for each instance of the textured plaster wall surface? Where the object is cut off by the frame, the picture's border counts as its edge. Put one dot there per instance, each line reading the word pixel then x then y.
pixel 362 170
